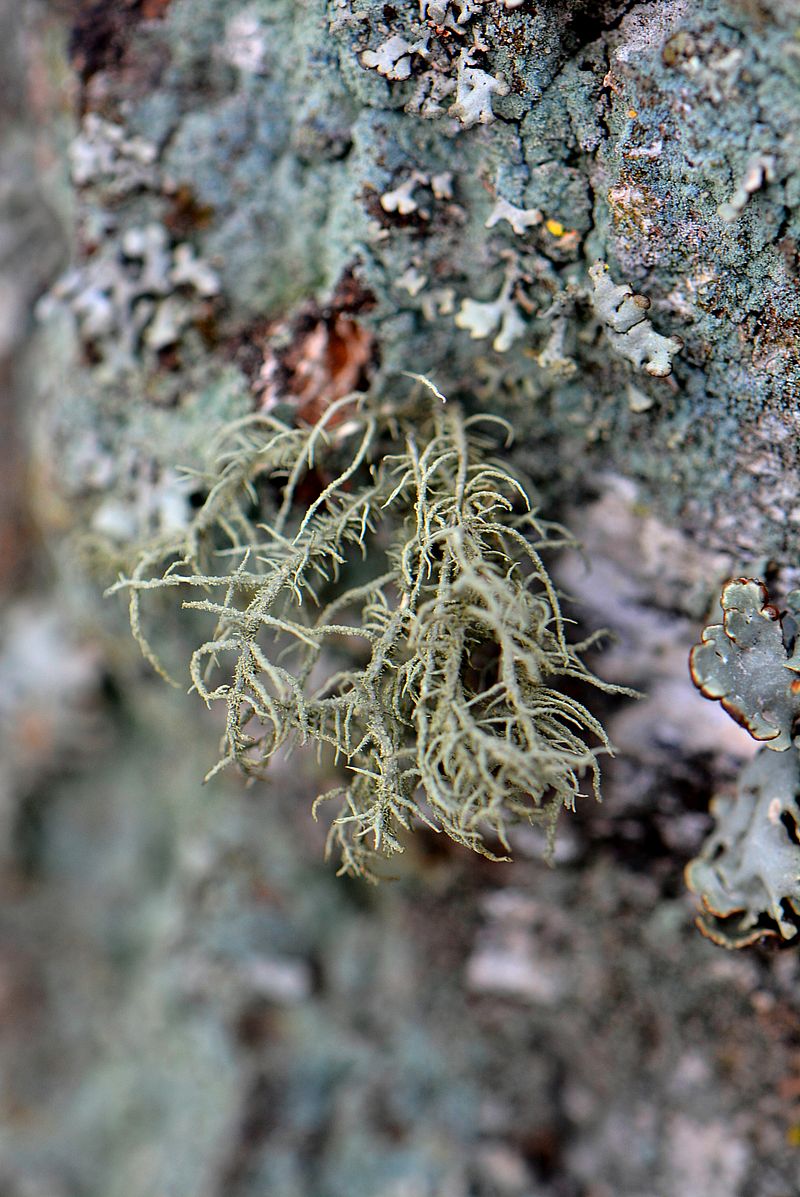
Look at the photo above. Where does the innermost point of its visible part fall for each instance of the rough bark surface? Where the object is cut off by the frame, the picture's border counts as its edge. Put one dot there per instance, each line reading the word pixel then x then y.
pixel 275 202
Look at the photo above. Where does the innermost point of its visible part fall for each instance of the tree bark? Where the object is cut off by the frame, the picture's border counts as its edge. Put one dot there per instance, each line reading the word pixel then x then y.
pixel 273 203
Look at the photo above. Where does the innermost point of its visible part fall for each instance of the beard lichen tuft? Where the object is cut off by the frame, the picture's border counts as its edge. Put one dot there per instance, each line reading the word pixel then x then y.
pixel 375 584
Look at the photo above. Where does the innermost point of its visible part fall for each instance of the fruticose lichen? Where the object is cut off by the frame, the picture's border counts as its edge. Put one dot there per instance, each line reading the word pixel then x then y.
pixel 374 584
pixel 748 872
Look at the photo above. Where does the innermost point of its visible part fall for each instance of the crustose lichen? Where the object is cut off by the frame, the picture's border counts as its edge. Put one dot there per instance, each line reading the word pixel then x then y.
pixel 374 584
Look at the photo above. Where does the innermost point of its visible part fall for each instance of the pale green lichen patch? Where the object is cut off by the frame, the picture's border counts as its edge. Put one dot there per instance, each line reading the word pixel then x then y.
pixel 474 91
pixel 499 318
pixel 748 873
pixel 392 59
pixel 629 333
pixel 744 662
pixel 133 299
pixel 374 584
pixel 520 219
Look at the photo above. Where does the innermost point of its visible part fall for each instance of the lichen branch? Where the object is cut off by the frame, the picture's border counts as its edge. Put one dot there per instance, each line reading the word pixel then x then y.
pixel 441 670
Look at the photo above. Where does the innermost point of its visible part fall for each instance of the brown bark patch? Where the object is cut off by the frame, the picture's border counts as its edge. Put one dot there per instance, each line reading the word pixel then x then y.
pixel 100 31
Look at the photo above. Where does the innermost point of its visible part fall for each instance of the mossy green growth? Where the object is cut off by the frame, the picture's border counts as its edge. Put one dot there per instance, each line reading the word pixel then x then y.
pixel 375 584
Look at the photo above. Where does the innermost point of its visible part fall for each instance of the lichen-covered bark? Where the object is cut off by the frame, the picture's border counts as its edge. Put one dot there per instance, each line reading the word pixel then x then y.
pixel 271 203
pixel 659 137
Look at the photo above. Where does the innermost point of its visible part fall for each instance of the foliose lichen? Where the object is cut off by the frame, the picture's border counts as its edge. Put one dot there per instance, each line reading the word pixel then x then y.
pixel 748 872
pixel 629 333
pixel 133 300
pixel 743 662
pixel 499 317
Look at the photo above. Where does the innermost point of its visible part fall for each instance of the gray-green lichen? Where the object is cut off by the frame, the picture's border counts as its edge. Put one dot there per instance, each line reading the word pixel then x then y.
pixel 134 299
pixel 402 618
pixel 748 872
pixel 443 178
pixel 744 661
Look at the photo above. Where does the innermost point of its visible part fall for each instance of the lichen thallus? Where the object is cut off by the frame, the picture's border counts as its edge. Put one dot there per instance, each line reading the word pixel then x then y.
pixel 375 584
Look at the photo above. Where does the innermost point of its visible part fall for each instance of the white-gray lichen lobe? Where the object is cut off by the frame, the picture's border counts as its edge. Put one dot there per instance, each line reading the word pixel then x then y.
pixel 747 875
